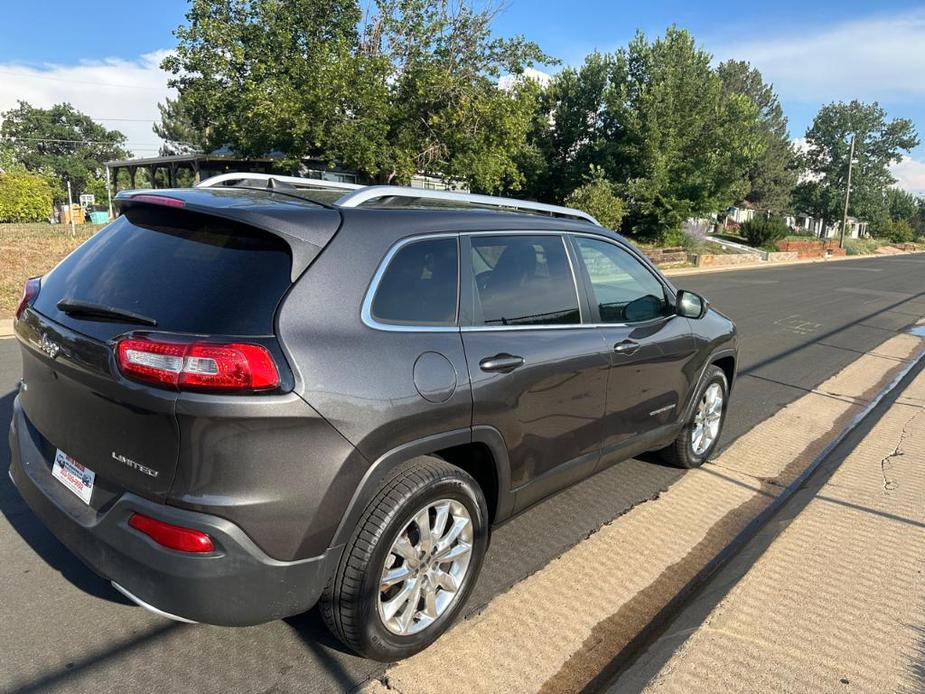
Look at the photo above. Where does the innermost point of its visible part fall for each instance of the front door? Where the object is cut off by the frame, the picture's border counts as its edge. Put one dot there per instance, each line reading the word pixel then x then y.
pixel 649 346
pixel 537 375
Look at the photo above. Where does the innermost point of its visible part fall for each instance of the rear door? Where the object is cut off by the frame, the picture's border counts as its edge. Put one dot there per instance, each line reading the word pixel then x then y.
pixel 649 345
pixel 177 272
pixel 537 374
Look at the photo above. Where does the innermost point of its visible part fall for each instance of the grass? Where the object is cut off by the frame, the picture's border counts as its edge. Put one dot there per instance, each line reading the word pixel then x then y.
pixel 27 250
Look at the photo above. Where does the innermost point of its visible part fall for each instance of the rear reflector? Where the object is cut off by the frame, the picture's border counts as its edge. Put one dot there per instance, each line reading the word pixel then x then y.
pixel 29 292
pixel 172 536
pixel 231 366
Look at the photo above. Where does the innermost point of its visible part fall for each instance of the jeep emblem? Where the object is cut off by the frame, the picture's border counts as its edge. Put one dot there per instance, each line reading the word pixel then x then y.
pixel 49 346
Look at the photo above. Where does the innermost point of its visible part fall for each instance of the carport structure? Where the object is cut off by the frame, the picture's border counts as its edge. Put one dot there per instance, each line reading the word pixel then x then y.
pixel 169 167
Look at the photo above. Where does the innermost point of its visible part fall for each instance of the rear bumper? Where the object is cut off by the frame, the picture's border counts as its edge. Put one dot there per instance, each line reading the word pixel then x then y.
pixel 236 585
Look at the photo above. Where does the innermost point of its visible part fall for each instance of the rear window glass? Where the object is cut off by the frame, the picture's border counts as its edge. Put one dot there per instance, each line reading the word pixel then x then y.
pixel 191 273
pixel 419 286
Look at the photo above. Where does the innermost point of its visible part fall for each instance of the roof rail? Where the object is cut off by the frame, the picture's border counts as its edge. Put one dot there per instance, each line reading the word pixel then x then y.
pixel 294 181
pixel 357 195
pixel 364 194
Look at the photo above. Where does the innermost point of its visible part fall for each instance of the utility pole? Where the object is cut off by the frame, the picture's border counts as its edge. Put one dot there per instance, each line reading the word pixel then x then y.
pixel 109 190
pixel 70 209
pixel 844 219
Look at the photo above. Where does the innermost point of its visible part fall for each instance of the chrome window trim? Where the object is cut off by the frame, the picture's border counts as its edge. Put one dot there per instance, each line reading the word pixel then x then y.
pixel 366 313
pixel 370 322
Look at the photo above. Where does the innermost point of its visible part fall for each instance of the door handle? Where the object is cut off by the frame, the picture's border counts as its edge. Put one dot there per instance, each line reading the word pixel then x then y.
pixel 626 347
pixel 502 363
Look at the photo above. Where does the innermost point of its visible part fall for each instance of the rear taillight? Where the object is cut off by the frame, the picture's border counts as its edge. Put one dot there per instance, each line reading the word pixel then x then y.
pixel 29 292
pixel 172 536
pixel 234 366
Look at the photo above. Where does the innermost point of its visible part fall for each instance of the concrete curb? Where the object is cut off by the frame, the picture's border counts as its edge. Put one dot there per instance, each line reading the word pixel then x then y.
pixel 655 628
pixel 681 272
pixel 6 327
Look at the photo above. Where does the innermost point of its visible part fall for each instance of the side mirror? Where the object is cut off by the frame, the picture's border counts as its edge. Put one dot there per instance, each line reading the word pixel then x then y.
pixel 690 305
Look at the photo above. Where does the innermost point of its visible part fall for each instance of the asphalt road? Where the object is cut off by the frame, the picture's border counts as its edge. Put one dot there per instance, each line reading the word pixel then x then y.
pixel 62 627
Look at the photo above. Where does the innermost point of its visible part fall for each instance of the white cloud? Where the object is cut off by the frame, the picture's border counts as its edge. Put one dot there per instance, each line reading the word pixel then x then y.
pixel 114 88
pixel 542 78
pixel 868 58
pixel 910 175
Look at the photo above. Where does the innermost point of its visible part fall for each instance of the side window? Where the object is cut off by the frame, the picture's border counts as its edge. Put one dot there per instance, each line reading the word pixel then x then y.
pixel 523 280
pixel 419 286
pixel 624 290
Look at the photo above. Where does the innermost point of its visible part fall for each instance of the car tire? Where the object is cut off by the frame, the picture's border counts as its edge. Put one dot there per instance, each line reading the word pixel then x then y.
pixel 687 451
pixel 357 604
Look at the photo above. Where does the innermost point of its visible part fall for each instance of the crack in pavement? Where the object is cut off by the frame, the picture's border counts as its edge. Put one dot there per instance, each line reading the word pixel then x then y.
pixel 890 484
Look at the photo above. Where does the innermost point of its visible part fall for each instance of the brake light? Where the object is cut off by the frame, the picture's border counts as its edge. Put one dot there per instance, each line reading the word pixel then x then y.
pixel 231 366
pixel 29 291
pixel 158 200
pixel 172 536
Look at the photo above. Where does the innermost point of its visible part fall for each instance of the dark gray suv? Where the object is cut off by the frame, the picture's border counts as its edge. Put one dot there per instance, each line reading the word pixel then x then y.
pixel 240 401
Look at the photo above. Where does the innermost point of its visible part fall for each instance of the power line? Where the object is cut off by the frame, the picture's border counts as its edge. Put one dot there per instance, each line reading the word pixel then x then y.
pixel 85 142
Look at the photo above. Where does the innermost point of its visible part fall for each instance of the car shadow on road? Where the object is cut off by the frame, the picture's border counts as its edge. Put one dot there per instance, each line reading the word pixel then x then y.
pixel 36 535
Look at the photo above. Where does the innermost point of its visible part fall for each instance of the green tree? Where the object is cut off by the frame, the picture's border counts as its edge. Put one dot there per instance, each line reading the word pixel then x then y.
pixel 64 143
pixel 411 88
pixel 570 130
pixel 763 232
pixel 900 204
pixel 773 174
pixel 901 231
pixel 24 197
pixel 682 145
pixel 598 197
pixel 878 144
pixel 177 130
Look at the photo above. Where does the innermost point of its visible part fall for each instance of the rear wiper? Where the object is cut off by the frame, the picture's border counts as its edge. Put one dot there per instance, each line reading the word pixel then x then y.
pixel 76 308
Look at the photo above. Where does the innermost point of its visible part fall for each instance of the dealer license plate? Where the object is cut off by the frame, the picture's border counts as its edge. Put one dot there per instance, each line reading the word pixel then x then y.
pixel 73 475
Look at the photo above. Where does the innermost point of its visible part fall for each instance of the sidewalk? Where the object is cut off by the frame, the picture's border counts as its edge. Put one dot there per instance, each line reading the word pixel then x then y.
pixel 836 601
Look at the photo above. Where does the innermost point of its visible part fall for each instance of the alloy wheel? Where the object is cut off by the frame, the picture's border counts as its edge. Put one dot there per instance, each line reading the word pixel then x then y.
pixel 426 567
pixel 707 419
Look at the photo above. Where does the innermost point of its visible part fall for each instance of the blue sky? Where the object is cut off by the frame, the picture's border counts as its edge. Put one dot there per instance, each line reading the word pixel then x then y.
pixel 813 52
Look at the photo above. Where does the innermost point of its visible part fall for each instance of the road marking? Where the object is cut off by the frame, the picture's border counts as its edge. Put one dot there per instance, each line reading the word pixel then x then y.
pixel 797 325
pixel 875 292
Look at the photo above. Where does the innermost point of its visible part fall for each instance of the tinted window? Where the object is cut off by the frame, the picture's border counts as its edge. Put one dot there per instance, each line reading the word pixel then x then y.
pixel 191 273
pixel 523 280
pixel 419 286
pixel 623 288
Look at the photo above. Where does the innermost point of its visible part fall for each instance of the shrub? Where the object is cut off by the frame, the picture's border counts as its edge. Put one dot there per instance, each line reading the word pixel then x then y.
pixel 901 231
pixel 598 198
pixel 762 232
pixel 24 197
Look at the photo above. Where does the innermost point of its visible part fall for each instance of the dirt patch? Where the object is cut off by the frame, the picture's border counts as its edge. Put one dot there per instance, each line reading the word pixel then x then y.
pixel 27 250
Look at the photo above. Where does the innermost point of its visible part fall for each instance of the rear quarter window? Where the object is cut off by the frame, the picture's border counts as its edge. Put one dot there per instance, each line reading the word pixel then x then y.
pixel 191 273
pixel 419 285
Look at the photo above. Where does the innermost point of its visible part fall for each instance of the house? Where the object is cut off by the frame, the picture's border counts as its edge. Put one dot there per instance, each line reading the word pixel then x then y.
pixel 739 214
pixel 855 229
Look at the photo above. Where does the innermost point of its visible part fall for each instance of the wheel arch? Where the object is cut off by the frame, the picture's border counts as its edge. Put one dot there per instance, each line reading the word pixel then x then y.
pixel 480 451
